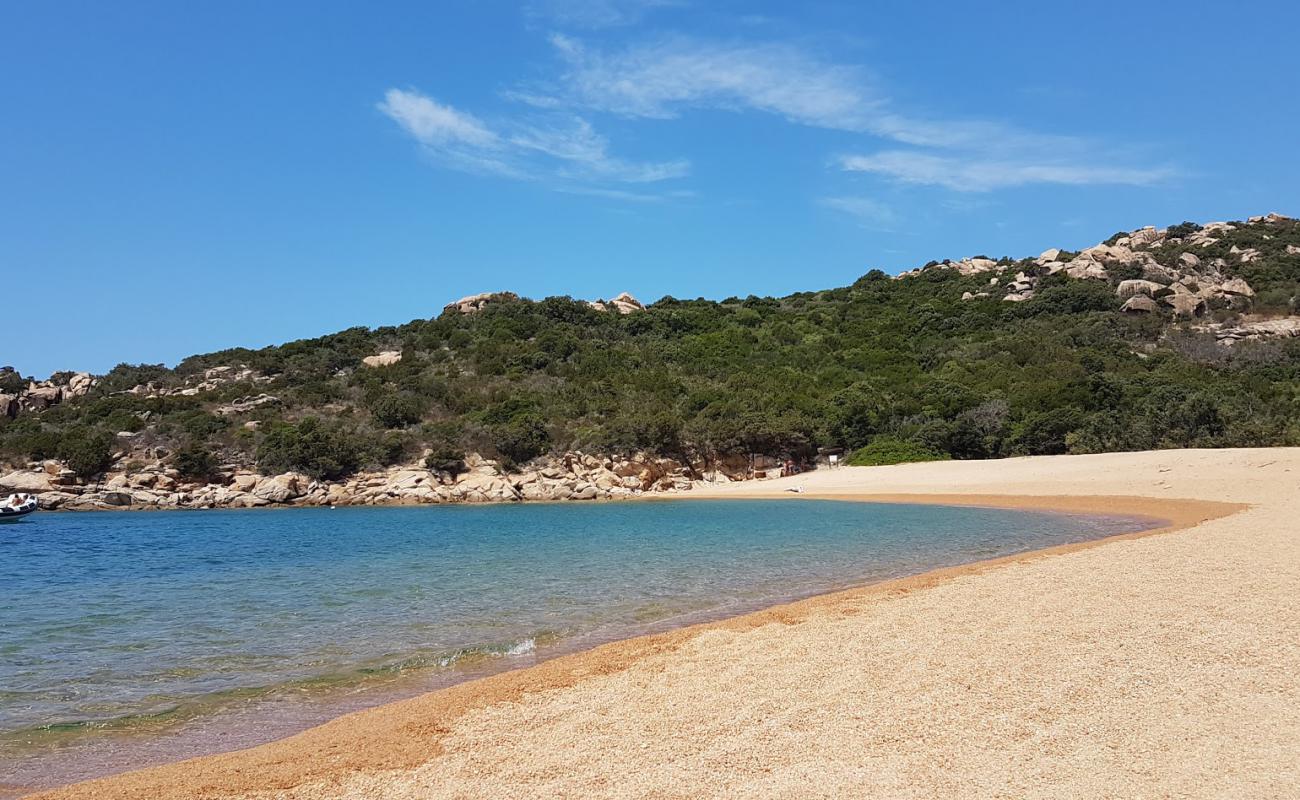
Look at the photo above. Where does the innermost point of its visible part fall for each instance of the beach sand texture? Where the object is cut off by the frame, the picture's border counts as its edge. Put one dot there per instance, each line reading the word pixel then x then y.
pixel 1150 666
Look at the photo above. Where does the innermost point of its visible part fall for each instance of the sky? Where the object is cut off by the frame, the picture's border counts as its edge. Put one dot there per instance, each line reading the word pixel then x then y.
pixel 178 178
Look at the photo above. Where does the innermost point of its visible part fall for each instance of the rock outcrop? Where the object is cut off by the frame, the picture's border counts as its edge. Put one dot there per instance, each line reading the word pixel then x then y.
pixel 246 404
pixel 1248 330
pixel 37 397
pixel 477 302
pixel 625 303
pixel 573 476
pixel 384 359
pixel 1139 304
pixel 1182 281
pixel 210 380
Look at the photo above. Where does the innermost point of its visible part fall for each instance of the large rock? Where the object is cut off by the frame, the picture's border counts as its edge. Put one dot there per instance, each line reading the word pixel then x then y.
pixel 476 487
pixel 384 359
pixel 477 302
pixel 1086 268
pixel 1237 286
pixel 1185 305
pixel 80 384
pixel 1139 304
pixel 281 488
pixel 1145 236
pixel 625 303
pixel 1129 288
pixel 245 481
pixel 25 481
pixel 246 404
pixel 39 398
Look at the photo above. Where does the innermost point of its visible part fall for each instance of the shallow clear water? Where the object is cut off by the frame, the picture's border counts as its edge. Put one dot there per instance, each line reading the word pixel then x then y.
pixel 117 626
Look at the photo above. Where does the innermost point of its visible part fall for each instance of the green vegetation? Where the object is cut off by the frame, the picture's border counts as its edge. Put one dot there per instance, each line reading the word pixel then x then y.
pixel 890 370
pixel 87 452
pixel 889 450
pixel 310 447
pixel 194 462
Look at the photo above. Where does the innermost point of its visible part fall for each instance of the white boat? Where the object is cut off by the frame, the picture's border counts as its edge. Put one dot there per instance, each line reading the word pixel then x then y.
pixel 17 507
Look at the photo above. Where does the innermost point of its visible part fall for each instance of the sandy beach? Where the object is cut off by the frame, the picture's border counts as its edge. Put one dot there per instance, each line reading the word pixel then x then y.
pixel 1164 664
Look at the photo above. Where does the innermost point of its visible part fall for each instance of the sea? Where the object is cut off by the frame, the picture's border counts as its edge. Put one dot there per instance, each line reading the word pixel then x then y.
pixel 132 638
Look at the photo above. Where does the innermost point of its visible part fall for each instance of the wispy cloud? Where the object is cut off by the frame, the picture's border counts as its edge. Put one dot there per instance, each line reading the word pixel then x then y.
pixel 433 123
pixel 661 79
pixel 665 77
pixel 549 136
pixel 556 147
pixel 868 212
pixel 978 173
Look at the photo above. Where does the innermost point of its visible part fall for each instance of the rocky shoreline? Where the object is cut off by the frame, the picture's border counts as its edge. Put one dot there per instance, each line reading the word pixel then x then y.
pixel 573 476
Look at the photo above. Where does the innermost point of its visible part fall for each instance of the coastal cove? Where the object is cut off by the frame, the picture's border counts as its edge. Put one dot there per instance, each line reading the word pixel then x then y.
pixel 421 742
pixel 268 622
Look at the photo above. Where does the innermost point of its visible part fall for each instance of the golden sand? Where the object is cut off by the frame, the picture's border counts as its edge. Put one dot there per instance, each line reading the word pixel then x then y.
pixel 1141 666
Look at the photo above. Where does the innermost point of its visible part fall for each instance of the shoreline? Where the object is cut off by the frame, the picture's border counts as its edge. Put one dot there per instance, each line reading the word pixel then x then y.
pixel 407 733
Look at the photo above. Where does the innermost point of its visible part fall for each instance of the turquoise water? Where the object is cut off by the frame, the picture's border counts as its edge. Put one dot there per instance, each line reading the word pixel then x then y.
pixel 128 637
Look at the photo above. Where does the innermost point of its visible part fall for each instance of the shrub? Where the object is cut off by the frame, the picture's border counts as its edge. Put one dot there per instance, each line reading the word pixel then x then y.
pixel 517 429
pixel 446 459
pixel 193 461
pixel 308 447
pixel 87 451
pixel 889 450
pixel 1182 229
pixel 394 410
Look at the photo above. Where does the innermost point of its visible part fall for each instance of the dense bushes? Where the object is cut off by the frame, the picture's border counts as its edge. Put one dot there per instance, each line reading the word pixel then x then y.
pixel 902 366
pixel 310 447
pixel 87 452
pixel 194 462
pixel 888 450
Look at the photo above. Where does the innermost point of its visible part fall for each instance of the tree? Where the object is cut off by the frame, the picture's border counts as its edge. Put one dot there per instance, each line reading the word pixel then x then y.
pixel 309 447
pixel 394 410
pixel 195 462
pixel 87 451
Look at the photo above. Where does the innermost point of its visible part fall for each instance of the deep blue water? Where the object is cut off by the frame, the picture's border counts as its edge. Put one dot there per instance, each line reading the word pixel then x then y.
pixel 116 623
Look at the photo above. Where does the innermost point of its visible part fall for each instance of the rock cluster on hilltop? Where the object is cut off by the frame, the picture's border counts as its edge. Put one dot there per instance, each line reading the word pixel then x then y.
pixel 624 303
pixel 210 380
pixel 1173 276
pixel 45 394
pixel 571 476
pixel 477 302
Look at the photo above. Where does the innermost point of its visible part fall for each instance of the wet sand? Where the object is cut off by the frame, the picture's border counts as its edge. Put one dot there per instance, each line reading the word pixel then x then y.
pixel 1142 665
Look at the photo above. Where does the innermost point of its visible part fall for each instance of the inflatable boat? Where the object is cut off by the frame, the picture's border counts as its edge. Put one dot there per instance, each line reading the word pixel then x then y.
pixel 16 507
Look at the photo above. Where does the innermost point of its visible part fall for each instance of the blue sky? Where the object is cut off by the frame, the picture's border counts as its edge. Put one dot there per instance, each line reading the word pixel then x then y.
pixel 182 177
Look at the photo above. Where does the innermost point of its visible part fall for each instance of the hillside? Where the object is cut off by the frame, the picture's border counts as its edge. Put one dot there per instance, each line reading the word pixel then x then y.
pixel 1156 338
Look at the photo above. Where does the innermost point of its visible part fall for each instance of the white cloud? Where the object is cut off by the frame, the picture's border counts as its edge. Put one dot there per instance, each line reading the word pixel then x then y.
pixel 870 213
pixel 553 140
pixel 432 123
pixel 975 173
pixel 578 145
pixel 557 147
pixel 663 78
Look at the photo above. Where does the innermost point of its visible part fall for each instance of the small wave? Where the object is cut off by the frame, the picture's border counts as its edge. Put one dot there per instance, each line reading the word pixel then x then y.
pixel 523 648
pixel 174 710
